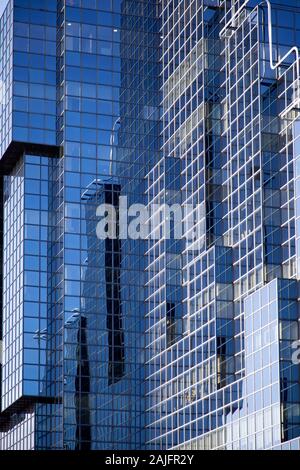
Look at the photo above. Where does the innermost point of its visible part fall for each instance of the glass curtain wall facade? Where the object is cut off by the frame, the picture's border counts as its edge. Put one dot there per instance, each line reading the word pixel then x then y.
pixel 156 343
pixel 80 118
pixel 230 127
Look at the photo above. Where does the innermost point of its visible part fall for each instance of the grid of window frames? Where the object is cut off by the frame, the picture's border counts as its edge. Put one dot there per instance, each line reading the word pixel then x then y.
pixel 34 72
pixel 108 128
pixel 6 75
pixel 228 142
pixel 25 279
pixel 108 111
pixel 22 432
pixel 249 115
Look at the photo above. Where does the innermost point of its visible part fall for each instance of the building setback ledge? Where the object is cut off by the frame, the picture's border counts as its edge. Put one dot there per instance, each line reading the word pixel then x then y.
pixel 16 149
pixel 21 405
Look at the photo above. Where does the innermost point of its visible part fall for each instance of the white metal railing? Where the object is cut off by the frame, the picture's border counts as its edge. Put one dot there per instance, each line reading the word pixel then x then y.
pixel 231 24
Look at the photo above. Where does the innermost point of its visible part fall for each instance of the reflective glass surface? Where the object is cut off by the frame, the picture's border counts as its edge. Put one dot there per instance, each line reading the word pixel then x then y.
pixel 151 343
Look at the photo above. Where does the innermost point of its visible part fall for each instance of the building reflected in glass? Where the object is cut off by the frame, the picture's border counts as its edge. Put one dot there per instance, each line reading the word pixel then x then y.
pixel 80 110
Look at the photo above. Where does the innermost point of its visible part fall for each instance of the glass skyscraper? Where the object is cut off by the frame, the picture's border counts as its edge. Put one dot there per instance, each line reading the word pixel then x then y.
pixel 155 342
